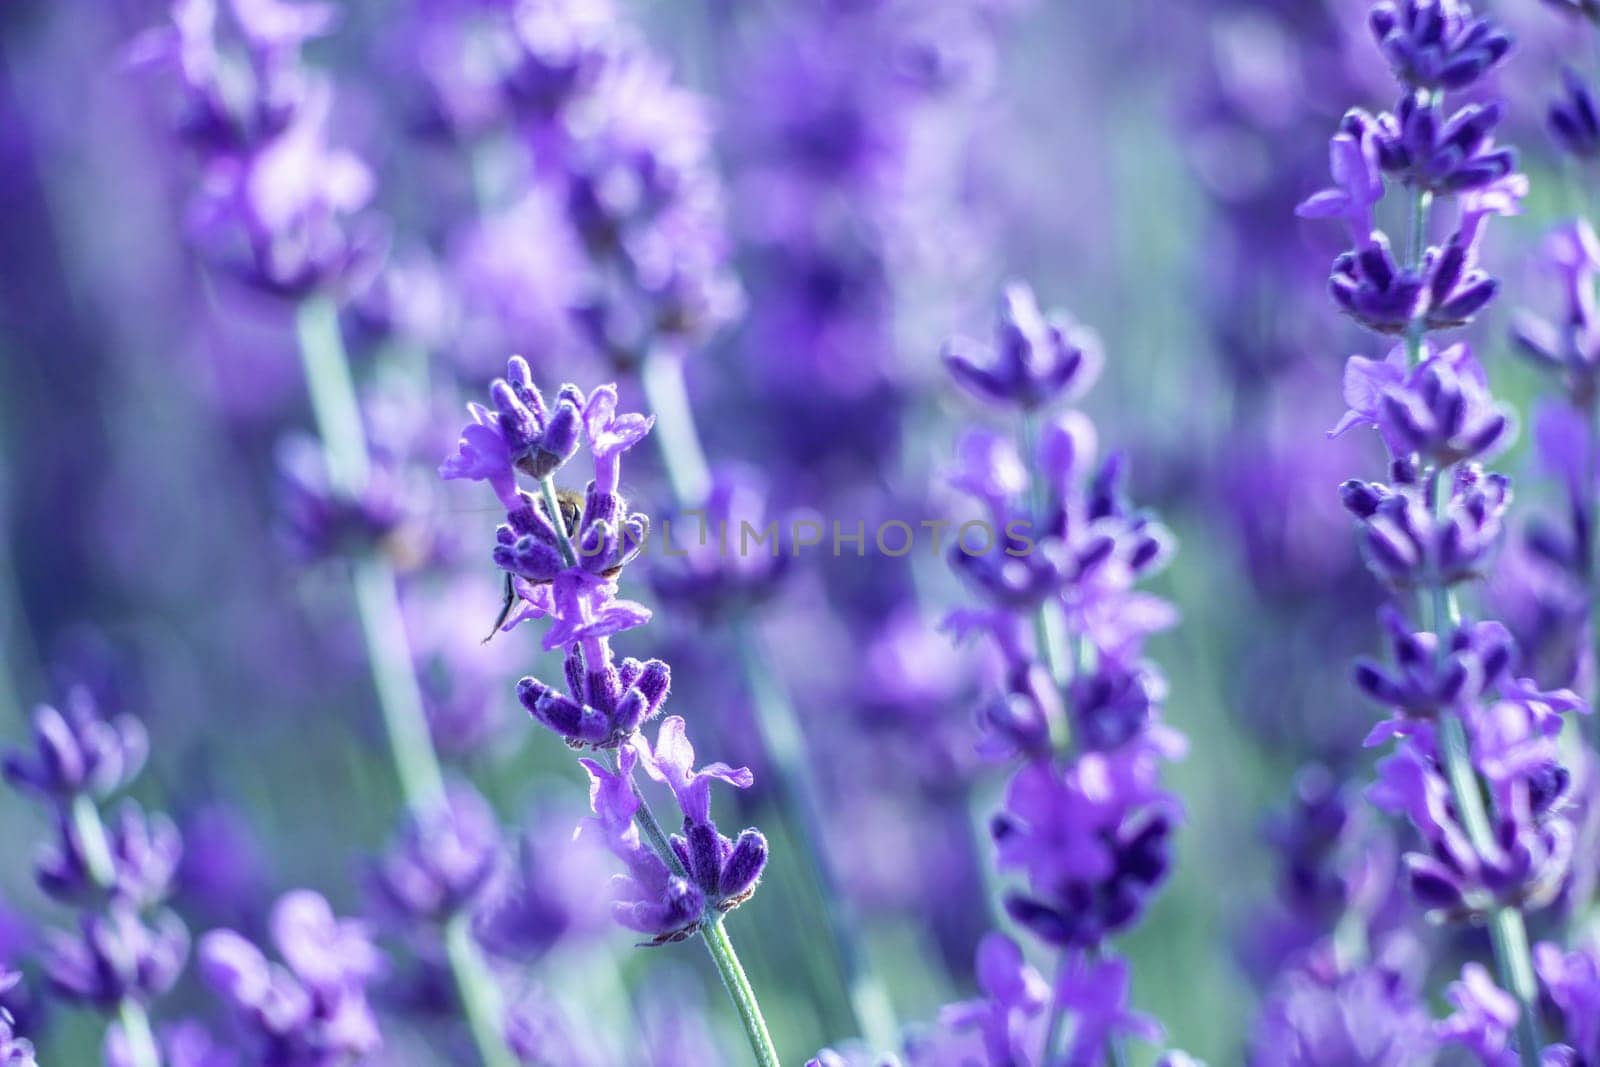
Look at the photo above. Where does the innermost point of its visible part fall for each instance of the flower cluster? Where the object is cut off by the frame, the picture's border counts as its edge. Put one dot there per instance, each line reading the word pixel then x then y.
pixel 276 204
pixel 1085 820
pixel 1476 767
pixel 310 1010
pixel 128 950
pixel 564 559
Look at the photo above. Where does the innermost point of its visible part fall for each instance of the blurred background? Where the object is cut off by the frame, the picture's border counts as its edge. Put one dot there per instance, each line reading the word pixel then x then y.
pixel 883 169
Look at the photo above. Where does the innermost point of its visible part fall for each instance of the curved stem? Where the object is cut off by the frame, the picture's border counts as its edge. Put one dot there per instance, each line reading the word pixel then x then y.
pixel 377 595
pixel 715 936
pixel 661 376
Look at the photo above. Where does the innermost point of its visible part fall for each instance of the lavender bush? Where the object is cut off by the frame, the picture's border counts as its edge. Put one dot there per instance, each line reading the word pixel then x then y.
pixel 856 661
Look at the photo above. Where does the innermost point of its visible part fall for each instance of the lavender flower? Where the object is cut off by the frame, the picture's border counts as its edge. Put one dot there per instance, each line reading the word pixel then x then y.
pixel 443 861
pixel 127 950
pixel 1436 44
pixel 14 1051
pixel 1325 1014
pixel 1476 773
pixel 1085 819
pixel 276 205
pixel 1574 117
pixel 1037 359
pixel 565 561
pixel 310 1010
pixel 78 752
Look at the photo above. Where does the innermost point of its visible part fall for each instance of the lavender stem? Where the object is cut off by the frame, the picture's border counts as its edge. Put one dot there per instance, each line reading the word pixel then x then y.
pixel 713 933
pixel 377 595
pixel 137 1033
pixel 1513 958
pixel 661 377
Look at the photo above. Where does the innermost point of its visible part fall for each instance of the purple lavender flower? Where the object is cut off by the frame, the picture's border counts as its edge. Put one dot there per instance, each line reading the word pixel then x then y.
pixel 1571 347
pixel 78 751
pixel 1014 997
pixel 521 433
pixel 1571 981
pixel 443 861
pixel 1037 359
pixel 1096 994
pixel 733 555
pixel 1408 545
pixel 1436 44
pixel 1324 1014
pixel 276 204
pixel 14 1051
pixel 1574 117
pixel 1442 155
pixel 116 957
pixel 1440 408
pixel 324 521
pixel 718 873
pixel 144 853
pixel 1483 1019
pixel 313 1010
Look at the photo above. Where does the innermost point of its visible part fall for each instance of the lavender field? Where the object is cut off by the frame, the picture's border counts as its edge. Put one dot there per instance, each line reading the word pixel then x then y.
pixel 855 533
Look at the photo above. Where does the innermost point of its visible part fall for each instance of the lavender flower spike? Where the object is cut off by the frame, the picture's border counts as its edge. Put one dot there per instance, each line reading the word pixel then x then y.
pixel 565 561
pixel 1473 766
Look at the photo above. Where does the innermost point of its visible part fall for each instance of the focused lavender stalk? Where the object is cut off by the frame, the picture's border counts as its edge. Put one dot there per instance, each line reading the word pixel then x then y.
pixel 128 950
pixel 1085 818
pixel 1476 765
pixel 278 208
pixel 626 152
pixel 564 555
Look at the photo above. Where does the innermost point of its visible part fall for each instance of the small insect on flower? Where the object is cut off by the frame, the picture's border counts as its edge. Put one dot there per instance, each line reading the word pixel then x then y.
pixel 569 504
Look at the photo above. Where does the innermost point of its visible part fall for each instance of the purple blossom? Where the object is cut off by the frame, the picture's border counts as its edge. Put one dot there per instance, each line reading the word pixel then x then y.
pixel 312 1011
pixel 1036 360
pixel 1014 996
pixel 1572 982
pixel 1483 1019
pixel 521 433
pixel 1441 408
pixel 1407 545
pixel 15 1051
pixel 1357 185
pixel 1574 117
pixel 1436 44
pixel 117 956
pixel 78 751
pixel 1322 1014
pixel 1096 994
pixel 443 861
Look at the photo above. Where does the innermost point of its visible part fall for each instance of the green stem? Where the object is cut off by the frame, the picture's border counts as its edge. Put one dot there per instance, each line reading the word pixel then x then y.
pixel 552 507
pixel 480 996
pixel 715 935
pixel 661 376
pixel 91 834
pixel 1509 937
pixel 1512 957
pixel 1508 934
pixel 136 1031
pixel 377 595
pixel 785 745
